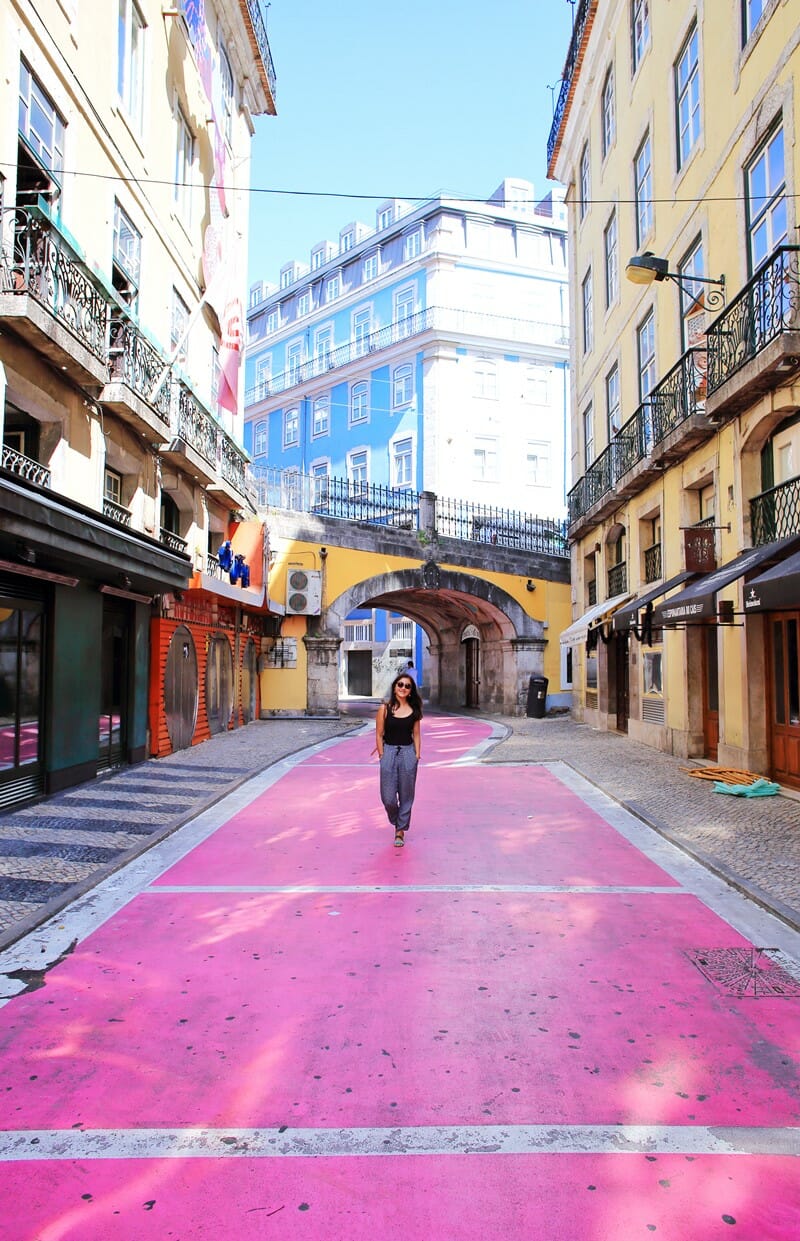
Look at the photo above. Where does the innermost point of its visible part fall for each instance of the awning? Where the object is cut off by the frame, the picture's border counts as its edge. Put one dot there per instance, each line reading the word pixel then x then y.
pixel 698 602
pixel 625 617
pixel 778 588
pixel 577 631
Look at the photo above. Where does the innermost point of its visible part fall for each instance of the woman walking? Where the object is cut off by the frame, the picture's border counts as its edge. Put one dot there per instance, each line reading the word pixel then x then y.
pixel 397 739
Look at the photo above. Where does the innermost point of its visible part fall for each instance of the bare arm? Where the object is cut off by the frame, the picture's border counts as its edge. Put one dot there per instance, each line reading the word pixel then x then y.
pixel 417 739
pixel 380 720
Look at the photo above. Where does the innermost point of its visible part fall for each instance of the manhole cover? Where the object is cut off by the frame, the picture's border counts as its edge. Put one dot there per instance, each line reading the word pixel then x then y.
pixel 757 972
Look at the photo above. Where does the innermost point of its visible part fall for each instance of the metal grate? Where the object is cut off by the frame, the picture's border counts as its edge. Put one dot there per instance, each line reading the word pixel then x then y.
pixel 653 710
pixel 741 972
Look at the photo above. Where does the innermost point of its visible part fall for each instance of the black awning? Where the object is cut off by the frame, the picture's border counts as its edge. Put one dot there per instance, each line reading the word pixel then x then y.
pixel 778 588
pixel 698 602
pixel 625 617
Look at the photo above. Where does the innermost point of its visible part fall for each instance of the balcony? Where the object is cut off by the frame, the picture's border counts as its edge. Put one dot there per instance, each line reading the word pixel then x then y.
pixel 25 468
pixel 664 428
pixel 135 369
pixel 775 514
pixel 50 297
pixel 172 541
pixel 652 563
pixel 116 512
pixel 617 580
pixel 754 345
pixel 257 30
pixel 581 29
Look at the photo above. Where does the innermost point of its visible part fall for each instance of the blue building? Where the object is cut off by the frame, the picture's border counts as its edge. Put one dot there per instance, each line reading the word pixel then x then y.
pixel 427 353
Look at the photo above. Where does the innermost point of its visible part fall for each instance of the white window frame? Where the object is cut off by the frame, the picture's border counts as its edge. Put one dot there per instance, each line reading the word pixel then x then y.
pixel 538 475
pixel 371 268
pixel 403 465
pixel 131 61
pixel 47 147
pixel 752 12
pixel 333 287
pixel 273 323
pixel 640 31
pixel 485 378
pixel 320 481
pixel 588 436
pixel 321 416
pixel 294 360
pixel 585 181
pixel 769 221
pixel 358 471
pixel 613 403
pixel 485 459
pixel 643 188
pixel 323 348
pixel 361 330
pixel 359 403
pixel 304 304
pixel 112 486
pixel 179 322
pixel 608 113
pixel 227 93
pixel 127 249
pixel 687 96
pixel 185 148
pixel 587 312
pixel 261 437
pixel 412 244
pixel 291 427
pixel 611 259
pixel 646 355
pixel 402 385
pixel 405 301
pixel 263 375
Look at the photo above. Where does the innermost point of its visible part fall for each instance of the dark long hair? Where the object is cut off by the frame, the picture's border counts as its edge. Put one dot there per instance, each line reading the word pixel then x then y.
pixel 414 700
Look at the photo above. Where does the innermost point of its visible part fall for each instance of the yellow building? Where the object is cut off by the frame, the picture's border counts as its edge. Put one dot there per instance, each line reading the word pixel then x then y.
pixel 125 136
pixel 676 135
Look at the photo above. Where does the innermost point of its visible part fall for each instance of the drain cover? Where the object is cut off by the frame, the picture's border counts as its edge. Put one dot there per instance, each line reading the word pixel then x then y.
pixel 757 972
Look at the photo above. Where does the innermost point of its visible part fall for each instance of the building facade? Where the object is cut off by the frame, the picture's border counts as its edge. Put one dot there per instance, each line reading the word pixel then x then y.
pixel 428 352
pixel 121 209
pixel 685 401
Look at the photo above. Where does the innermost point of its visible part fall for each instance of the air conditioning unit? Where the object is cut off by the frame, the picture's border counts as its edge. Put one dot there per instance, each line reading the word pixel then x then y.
pixel 303 592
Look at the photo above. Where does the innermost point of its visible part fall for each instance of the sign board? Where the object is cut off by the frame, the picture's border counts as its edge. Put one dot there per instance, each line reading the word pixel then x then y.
pixel 698 548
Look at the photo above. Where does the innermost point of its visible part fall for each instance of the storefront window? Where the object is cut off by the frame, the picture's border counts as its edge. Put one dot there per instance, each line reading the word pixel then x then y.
pixel 652 672
pixel 20 685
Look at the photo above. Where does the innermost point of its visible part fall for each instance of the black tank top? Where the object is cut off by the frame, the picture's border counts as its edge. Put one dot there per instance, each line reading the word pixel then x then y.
pixel 398 731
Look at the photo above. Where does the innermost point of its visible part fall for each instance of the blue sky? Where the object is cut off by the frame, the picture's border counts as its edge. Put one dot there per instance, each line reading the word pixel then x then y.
pixel 398 101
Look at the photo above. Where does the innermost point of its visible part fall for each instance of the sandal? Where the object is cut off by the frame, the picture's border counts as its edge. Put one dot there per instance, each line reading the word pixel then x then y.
pixel 399 840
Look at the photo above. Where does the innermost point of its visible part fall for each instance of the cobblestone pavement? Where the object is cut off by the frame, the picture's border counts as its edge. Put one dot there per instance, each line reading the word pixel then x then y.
pixel 754 843
pixel 52 852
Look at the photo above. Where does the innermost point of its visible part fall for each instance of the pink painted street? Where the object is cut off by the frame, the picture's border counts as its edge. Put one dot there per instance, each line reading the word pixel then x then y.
pixel 538 1019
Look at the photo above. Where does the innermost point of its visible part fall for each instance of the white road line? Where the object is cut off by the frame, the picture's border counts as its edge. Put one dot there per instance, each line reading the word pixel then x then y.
pixel 44 1145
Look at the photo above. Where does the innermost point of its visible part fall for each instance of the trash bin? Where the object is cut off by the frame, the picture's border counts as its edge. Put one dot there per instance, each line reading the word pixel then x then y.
pixel 537 698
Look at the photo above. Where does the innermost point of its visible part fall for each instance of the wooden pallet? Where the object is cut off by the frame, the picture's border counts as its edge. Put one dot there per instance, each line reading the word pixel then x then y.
pixel 726 775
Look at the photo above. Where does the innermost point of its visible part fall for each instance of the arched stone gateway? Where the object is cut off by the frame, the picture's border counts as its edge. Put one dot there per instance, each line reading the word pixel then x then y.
pixel 443 602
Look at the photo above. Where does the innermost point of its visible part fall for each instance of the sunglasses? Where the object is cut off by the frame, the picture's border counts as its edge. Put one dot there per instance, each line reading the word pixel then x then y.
pixel 404 685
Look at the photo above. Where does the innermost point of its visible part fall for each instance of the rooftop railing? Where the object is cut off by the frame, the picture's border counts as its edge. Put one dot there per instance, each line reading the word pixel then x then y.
pixel 571 65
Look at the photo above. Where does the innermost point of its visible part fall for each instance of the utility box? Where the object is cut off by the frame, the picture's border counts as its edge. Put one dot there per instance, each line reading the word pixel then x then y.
pixel 537 698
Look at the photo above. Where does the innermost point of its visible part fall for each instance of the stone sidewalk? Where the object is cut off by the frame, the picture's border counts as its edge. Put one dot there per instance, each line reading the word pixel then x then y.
pixel 54 851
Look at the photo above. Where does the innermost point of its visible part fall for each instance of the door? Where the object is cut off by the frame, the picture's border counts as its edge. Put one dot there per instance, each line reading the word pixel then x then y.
pixel 359 673
pixel 471 671
pixel 249 681
pixel 180 688
pixel 114 674
pixel 219 684
pixel 622 679
pixel 21 680
pixel 785 698
pixel 710 692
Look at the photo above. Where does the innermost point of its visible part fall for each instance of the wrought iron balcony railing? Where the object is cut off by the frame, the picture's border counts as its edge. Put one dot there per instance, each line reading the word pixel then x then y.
pixel 775 514
pixel 617 579
pixel 195 427
pixel 591 592
pixel 25 468
pixel 260 32
pixel 439 319
pixel 632 442
pixel 172 541
pixel 134 361
pixel 116 512
pixel 36 260
pixel 584 11
pixel 680 394
pixel 768 305
pixel 232 464
pixel 652 563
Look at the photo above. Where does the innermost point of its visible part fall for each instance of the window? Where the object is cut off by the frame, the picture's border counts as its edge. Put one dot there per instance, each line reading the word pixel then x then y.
pixel 294 361
pixel 317 259
pixel 130 60
pixel 321 419
pixel 112 486
pixel 126 257
pixel 357 472
pixel 216 371
pixel 370 267
pixel 484 456
pixel 586 304
pixel 333 288
pixel 538 385
pixel 43 130
pixel 358 631
pixel 611 256
pixel 608 119
pixel 346 241
pixel 385 217
pixel 766 199
pixel 362 325
pixel 303 305
pixel 273 321
pixel 652 681
pixel 287 277
pixel 323 349
pixel 643 184
pixel 588 437
pixel 320 483
pixel 485 378
pixel 359 408
pixel 402 385
pixel 403 311
pixel 226 92
pixel 537 464
pixel 687 97
pixel 260 438
pixel 184 167
pixel 751 15
pixel 585 182
pixel 179 326
pixel 263 376
pixel 646 354
pixel 412 245
pixel 291 428
pixel 691 293
pixel 640 30
pixel 402 456
pixel 613 413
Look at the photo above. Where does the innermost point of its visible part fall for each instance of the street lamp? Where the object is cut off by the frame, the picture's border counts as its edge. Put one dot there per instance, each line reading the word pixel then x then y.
pixel 645 268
